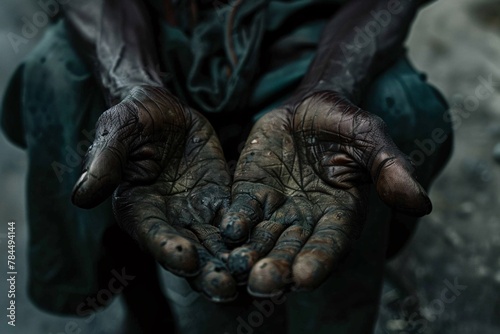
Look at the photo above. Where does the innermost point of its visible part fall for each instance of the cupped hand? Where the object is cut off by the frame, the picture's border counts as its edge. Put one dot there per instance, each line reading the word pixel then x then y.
pixel 166 168
pixel 299 195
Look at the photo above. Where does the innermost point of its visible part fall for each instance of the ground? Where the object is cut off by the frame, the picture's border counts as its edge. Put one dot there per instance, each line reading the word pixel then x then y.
pixel 446 279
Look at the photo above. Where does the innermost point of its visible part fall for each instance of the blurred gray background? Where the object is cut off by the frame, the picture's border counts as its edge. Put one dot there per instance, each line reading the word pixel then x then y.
pixel 455 42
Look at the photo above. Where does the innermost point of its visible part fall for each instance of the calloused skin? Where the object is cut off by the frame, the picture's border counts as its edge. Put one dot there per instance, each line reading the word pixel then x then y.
pixel 164 164
pixel 299 195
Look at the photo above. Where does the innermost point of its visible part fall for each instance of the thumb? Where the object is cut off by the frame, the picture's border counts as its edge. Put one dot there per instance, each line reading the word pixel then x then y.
pixel 102 169
pixel 394 177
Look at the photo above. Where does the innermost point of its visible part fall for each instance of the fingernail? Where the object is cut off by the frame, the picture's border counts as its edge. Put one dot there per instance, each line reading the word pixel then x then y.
pixel 78 187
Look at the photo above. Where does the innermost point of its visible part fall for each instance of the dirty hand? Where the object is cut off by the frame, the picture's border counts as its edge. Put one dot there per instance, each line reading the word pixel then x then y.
pixel 165 166
pixel 299 195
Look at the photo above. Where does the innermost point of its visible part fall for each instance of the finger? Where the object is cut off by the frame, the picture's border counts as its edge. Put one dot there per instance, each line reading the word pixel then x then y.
pixel 203 213
pixel 395 181
pixel 271 275
pixel 103 164
pixel 254 193
pixel 141 214
pixel 392 172
pixel 245 211
pixel 329 242
pixel 101 177
pixel 251 203
pixel 214 280
pixel 262 240
pixel 210 238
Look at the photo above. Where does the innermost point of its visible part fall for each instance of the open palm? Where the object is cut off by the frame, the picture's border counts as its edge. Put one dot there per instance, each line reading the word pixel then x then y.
pixel 170 182
pixel 299 195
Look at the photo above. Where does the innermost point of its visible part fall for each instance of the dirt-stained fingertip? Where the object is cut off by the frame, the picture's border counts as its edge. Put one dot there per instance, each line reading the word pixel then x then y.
pixel 419 210
pixel 234 228
pixel 308 273
pixel 240 263
pixel 399 189
pixel 90 190
pixel 178 255
pixel 216 283
pixel 268 278
pixel 413 202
